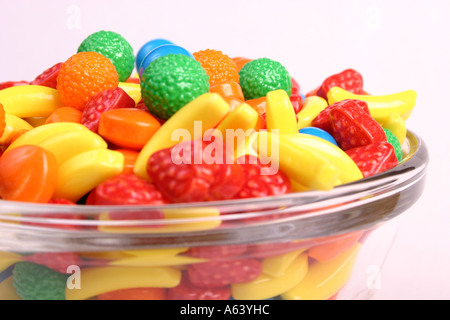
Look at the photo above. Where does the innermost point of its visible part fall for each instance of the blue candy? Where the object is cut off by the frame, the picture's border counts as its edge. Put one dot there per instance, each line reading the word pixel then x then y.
pixel 147 48
pixel 318 133
pixel 159 52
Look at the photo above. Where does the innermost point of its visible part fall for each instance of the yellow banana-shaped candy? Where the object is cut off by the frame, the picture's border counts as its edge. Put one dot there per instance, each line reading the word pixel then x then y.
pixel 14 124
pixel 83 172
pixel 133 90
pixel 312 107
pixel 30 101
pixel 95 281
pixel 280 114
pixel 276 266
pixel 194 119
pixel 349 171
pixel 70 143
pixel 245 147
pixel 380 106
pixel 39 134
pixel 325 279
pixel 396 124
pixel 299 162
pixel 265 286
pixel 8 291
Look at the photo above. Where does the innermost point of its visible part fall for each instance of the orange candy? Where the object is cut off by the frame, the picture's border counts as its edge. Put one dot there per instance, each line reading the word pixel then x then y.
pixel 329 250
pixel 28 173
pixel 130 157
pixel 82 76
pixel 258 104
pixel 129 128
pixel 218 66
pixel 240 62
pixel 135 294
pixel 65 114
pixel 228 89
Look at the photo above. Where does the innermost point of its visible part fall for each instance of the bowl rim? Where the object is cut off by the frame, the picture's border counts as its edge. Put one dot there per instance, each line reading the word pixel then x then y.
pixel 294 209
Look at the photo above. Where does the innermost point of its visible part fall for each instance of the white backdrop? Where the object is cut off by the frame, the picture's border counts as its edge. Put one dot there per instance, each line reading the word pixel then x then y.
pixel 395 44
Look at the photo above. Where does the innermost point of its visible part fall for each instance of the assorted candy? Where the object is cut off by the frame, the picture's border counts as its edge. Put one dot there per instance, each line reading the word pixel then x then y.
pixel 87 131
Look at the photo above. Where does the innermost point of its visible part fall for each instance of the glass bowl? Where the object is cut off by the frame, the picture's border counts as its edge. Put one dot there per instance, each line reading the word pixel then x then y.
pixel 308 245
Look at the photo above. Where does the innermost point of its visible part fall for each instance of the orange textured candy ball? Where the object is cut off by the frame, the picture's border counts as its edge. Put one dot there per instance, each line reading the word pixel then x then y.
pixel 82 76
pixel 28 173
pixel 218 66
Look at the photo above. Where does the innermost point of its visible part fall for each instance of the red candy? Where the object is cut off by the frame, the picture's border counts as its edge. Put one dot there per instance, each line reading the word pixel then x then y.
pixel 323 121
pixel 58 261
pixel 353 127
pixel 259 181
pixel 48 77
pixel 374 158
pixel 350 80
pixel 217 274
pixel 9 84
pixel 106 100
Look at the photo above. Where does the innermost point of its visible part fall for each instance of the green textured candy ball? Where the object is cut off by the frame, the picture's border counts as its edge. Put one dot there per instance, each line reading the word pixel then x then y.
pixel 260 76
pixel 37 282
pixel 113 46
pixel 392 139
pixel 170 82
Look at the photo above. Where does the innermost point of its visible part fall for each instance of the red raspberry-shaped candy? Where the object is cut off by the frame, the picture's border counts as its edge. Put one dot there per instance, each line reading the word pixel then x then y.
pixel 103 101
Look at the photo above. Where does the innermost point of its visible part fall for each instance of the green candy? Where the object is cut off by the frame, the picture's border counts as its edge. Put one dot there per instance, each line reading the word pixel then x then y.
pixel 37 282
pixel 260 76
pixel 392 139
pixel 170 82
pixel 113 46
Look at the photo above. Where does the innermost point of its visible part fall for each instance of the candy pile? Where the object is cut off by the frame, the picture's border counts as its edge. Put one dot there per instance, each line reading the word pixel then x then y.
pixel 186 128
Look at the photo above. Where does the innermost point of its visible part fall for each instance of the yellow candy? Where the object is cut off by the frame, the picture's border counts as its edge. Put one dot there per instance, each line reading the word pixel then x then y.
pixel 30 101
pixel 280 114
pixel 13 125
pixel 209 214
pixel 7 259
pixel 349 171
pixel 8 291
pixel 39 134
pixel 245 147
pixel 265 286
pixel 95 281
pixel 277 265
pixel 156 252
pixel 301 163
pixel 325 279
pixel 68 144
pixel 396 124
pixel 207 111
pixel 242 117
pixel 83 172
pixel 312 107
pixel 133 90
pixel 381 106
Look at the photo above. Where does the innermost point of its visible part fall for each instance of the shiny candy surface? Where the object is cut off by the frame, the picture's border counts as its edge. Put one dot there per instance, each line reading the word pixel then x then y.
pixel 148 47
pixel 159 52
